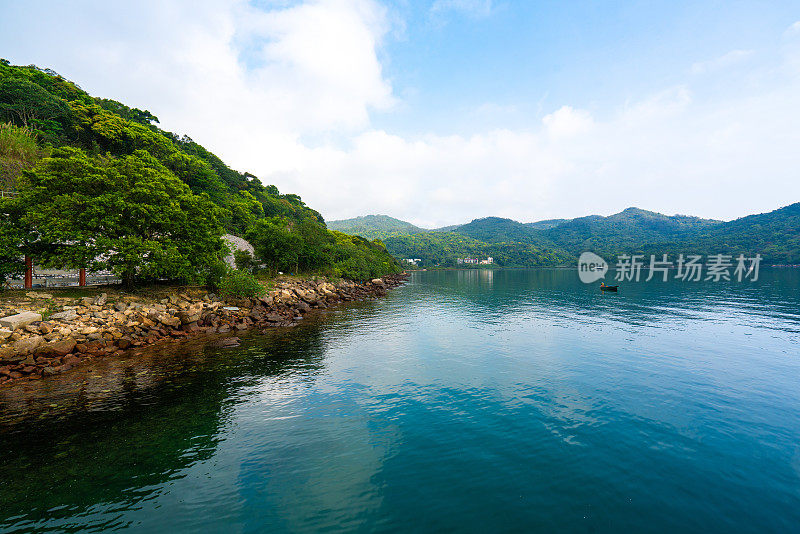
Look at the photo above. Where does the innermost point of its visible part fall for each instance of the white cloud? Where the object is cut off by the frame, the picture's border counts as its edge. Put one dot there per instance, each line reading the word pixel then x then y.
pixel 794 29
pixel 727 60
pixel 254 86
pixel 566 122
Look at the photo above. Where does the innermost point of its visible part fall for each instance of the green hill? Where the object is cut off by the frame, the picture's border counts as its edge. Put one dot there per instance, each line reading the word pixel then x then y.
pixel 774 235
pixel 500 230
pixel 139 195
pixel 625 231
pixel 443 249
pixel 546 224
pixel 375 227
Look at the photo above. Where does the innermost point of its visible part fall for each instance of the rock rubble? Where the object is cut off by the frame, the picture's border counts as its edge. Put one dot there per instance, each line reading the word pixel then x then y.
pixel 92 327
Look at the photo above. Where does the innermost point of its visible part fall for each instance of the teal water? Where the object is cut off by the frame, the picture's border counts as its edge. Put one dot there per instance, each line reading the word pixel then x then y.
pixel 474 401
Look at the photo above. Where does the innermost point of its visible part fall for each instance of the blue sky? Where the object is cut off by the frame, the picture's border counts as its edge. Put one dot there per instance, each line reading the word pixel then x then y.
pixel 538 56
pixel 441 111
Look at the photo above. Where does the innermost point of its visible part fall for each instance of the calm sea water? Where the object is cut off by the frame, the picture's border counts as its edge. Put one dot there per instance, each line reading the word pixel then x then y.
pixel 474 401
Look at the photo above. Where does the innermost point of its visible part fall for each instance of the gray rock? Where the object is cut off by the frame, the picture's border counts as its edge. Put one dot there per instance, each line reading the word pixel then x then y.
pixel 66 315
pixel 189 316
pixel 120 306
pixel 5 333
pixel 20 320
pixel 101 300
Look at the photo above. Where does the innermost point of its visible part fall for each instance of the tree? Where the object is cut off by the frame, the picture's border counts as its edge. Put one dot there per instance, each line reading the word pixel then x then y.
pixel 273 243
pixel 111 133
pixel 22 102
pixel 244 211
pixel 10 240
pixel 129 214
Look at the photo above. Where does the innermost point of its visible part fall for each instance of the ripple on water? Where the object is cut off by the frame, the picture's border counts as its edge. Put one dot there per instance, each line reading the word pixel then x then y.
pixel 469 401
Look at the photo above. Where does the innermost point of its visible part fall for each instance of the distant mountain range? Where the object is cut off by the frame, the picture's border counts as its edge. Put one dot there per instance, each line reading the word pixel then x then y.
pixel 774 235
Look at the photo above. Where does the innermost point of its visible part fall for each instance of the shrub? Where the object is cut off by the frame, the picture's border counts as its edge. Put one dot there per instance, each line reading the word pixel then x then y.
pixel 240 284
pixel 216 272
pixel 18 151
pixel 244 261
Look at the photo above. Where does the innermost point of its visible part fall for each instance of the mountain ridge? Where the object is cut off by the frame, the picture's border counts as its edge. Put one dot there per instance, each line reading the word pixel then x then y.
pixel 774 234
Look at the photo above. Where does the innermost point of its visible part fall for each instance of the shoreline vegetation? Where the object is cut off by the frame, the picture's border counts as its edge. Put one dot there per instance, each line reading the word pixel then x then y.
pixel 91 184
pixel 774 235
pixel 66 327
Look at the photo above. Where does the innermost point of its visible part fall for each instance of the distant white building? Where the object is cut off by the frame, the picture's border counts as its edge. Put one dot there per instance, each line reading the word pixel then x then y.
pixel 415 261
pixel 475 261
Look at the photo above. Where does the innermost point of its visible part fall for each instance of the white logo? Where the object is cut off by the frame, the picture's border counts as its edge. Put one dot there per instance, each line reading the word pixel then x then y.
pixel 591 267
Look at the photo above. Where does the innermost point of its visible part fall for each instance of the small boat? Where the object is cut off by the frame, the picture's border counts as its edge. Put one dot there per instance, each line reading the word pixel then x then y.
pixel 604 287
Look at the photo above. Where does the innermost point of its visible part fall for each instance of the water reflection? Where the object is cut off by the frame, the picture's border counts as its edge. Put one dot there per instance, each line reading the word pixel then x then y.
pixel 558 293
pixel 467 400
pixel 105 435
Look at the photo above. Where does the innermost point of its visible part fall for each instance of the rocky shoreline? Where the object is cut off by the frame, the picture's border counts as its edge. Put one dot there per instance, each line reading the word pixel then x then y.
pixel 75 330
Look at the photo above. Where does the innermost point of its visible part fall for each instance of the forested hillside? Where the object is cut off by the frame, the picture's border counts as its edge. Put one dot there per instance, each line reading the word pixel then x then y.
pixel 774 235
pixel 98 184
pixel 375 227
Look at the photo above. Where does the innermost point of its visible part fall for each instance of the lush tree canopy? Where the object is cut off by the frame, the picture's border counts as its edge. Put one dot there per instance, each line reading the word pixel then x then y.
pixel 130 215
pixel 118 193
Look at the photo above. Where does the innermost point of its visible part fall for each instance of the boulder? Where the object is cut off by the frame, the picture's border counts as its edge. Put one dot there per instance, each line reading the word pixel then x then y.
pixel 120 306
pixel 9 355
pixel 190 327
pixel 56 349
pixel 190 316
pixel 378 282
pixel 66 315
pixel 170 321
pixel 20 320
pixel 63 347
pixel 101 300
pixel 27 345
